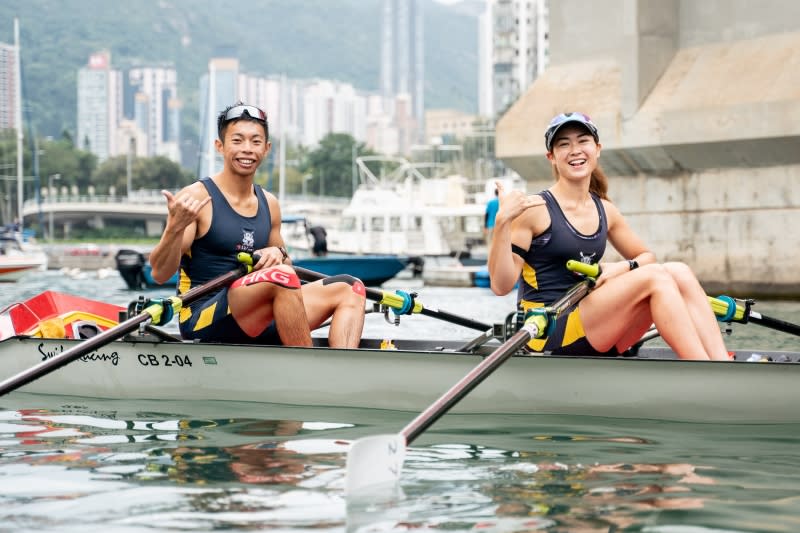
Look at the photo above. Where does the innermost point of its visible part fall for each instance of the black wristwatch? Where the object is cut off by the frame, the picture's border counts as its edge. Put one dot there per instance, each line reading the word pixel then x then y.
pixel 283 252
pixel 633 263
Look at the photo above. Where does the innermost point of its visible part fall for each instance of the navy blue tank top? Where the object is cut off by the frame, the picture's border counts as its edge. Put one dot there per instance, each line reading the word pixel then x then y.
pixel 214 253
pixel 545 277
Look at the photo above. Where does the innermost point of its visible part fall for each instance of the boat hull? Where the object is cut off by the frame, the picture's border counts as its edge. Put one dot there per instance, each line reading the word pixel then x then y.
pixel 17 257
pixel 412 377
pixel 13 272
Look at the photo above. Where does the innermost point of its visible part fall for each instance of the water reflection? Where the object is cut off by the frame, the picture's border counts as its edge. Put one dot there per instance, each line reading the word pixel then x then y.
pixel 600 497
pixel 206 465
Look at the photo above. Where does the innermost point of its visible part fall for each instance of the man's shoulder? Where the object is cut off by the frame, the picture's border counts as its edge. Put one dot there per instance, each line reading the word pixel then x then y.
pixel 196 189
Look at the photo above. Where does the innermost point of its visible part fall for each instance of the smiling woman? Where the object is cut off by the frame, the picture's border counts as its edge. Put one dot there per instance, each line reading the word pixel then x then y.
pixel 535 236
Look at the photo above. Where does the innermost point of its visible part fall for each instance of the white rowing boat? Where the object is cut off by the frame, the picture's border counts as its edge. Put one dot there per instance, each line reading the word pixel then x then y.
pixel 653 385
pixel 56 343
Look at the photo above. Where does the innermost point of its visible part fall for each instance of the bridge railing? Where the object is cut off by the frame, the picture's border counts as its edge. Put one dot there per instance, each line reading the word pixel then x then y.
pixel 136 198
pixel 150 197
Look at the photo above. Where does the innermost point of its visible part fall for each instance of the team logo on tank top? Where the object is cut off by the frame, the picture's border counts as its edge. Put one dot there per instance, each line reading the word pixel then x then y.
pixel 587 258
pixel 248 240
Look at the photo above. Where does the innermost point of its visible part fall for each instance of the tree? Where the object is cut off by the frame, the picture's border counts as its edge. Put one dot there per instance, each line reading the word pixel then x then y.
pixel 331 164
pixel 61 157
pixel 146 173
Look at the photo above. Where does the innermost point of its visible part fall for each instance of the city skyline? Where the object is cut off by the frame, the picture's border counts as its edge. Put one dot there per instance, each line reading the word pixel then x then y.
pixel 305 46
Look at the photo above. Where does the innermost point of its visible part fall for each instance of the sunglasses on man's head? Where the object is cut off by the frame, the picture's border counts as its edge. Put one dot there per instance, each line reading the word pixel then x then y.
pixel 240 110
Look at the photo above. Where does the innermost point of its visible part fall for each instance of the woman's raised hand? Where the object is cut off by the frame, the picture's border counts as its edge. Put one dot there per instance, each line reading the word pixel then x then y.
pixel 513 203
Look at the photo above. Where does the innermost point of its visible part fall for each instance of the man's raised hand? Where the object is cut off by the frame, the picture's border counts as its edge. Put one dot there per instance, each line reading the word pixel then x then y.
pixel 183 209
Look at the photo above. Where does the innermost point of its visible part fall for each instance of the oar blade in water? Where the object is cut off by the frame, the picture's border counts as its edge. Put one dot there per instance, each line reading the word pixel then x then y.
pixel 374 464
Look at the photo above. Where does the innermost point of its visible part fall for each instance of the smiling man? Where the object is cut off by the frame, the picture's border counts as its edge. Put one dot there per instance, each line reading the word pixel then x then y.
pixel 214 219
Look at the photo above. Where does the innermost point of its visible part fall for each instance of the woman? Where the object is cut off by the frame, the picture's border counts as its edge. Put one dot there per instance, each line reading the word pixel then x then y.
pixel 534 236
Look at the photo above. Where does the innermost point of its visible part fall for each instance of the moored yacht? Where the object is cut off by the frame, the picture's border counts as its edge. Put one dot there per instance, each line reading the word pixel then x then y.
pixel 18 257
pixel 406 212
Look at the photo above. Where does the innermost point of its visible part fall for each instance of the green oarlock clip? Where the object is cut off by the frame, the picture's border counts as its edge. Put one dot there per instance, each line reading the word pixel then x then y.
pixel 542 319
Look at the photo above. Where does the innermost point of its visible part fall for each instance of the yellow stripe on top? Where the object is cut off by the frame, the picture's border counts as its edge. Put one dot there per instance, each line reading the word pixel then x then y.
pixel 574 328
pixel 206 317
pixel 529 275
pixel 184 284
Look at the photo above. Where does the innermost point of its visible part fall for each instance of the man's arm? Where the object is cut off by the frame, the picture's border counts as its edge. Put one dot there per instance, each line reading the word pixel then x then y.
pixel 274 253
pixel 183 211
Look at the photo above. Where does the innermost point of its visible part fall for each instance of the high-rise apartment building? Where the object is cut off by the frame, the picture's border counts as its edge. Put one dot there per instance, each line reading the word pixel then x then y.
pixel 8 90
pixel 151 100
pixel 512 51
pixel 136 112
pixel 219 88
pixel 403 62
pixel 99 106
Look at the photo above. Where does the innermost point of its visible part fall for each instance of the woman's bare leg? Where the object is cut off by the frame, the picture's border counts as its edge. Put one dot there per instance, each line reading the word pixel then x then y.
pixel 610 310
pixel 699 309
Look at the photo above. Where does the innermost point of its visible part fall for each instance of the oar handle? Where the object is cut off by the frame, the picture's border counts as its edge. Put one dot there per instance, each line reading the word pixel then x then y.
pixel 591 270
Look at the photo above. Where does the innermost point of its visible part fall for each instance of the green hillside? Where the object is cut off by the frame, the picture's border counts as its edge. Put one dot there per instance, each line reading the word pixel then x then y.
pixel 336 39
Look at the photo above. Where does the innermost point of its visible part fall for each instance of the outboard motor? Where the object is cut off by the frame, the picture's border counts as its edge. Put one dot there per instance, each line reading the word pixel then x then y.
pixel 130 264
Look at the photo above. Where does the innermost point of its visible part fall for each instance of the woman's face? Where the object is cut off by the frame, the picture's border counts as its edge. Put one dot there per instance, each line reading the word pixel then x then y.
pixel 574 153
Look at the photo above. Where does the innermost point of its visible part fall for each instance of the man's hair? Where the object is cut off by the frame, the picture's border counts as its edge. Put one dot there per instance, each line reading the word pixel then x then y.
pixel 223 122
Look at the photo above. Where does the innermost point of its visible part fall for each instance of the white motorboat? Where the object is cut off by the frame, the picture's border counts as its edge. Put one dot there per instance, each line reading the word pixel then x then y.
pixel 18 257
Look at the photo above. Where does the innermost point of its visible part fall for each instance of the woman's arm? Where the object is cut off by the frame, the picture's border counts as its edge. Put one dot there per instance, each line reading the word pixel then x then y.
pixel 516 223
pixel 626 241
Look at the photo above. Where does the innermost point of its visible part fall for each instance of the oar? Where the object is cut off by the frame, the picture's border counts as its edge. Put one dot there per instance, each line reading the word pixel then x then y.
pixel 152 313
pixel 403 302
pixel 728 310
pixel 374 463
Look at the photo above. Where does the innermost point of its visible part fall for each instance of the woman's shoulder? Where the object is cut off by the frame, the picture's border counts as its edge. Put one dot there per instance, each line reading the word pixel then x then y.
pixel 612 211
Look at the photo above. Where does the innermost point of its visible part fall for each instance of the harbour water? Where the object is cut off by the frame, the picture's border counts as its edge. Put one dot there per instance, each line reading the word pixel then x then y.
pixel 78 464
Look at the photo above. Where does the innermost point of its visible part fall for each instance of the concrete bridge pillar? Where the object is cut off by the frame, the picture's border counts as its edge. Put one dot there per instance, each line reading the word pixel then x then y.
pixel 97 222
pixel 153 228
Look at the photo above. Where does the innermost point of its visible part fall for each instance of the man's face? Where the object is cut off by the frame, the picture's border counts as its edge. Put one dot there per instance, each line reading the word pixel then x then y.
pixel 244 146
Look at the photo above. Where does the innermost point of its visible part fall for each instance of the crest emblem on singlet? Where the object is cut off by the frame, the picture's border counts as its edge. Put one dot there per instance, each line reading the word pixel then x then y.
pixel 587 259
pixel 248 240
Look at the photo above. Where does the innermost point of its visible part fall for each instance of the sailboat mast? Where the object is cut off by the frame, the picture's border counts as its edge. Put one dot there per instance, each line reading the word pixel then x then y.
pixel 282 146
pixel 18 119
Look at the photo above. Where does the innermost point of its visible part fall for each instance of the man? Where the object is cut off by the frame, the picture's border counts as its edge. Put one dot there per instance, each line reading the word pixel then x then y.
pixel 319 234
pixel 213 219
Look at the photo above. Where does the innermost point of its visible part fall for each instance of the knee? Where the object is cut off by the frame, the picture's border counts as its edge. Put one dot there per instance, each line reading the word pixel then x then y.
pixel 658 277
pixel 349 287
pixel 680 272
